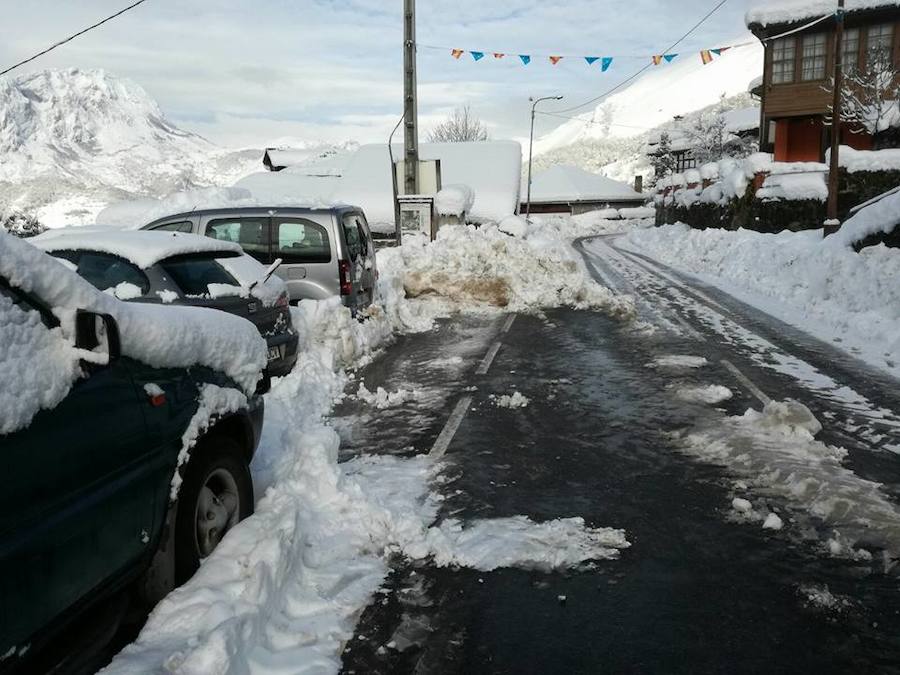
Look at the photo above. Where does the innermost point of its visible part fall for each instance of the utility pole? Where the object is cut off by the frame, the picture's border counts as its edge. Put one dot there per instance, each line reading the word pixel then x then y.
pixel 833 225
pixel 410 100
pixel 531 147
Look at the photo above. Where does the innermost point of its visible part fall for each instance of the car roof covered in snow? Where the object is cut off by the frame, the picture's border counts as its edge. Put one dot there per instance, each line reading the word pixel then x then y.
pixel 143 248
pixel 768 12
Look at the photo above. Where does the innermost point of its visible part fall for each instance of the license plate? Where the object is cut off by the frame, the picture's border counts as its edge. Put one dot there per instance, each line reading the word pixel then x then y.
pixel 274 353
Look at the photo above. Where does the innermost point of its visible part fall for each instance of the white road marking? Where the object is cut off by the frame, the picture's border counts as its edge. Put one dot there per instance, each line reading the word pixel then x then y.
pixel 744 380
pixel 450 428
pixel 509 323
pixel 488 359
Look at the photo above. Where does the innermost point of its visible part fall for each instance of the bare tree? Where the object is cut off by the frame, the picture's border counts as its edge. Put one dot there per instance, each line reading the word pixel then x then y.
pixel 460 127
pixel 871 95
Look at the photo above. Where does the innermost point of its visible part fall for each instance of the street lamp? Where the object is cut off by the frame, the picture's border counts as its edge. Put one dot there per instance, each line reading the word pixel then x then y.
pixel 531 146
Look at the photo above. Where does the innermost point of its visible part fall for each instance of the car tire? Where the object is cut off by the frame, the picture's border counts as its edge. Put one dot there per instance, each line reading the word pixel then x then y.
pixel 216 494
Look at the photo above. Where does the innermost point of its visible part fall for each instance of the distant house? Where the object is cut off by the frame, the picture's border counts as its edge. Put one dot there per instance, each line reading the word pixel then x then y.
pixel 798 68
pixel 740 125
pixel 492 169
pixel 570 190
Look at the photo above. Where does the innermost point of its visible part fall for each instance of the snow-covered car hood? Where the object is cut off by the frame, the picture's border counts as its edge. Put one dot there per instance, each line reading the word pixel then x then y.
pixel 159 336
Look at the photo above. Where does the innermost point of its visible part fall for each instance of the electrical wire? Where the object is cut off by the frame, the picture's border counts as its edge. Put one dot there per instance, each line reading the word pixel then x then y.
pixel 71 37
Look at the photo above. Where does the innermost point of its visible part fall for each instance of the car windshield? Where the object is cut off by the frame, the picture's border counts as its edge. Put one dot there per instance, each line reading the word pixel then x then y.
pixel 194 273
pixel 105 271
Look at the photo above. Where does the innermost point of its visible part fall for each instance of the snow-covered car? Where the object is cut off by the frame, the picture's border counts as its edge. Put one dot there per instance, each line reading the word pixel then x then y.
pixel 183 269
pixel 126 432
pixel 326 252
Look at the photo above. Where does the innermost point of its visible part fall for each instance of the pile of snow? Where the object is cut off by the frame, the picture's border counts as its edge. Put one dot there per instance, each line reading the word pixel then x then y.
pixel 483 265
pixel 774 454
pixel 383 399
pixel 881 215
pixel 712 394
pixel 794 187
pixel 855 161
pixel 454 200
pixel 287 585
pixel 820 286
pixel 512 401
pixel 161 337
pixel 765 12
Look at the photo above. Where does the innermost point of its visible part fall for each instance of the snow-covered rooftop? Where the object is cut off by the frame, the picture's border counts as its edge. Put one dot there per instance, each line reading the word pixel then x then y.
pixel 564 183
pixel 143 248
pixel 789 11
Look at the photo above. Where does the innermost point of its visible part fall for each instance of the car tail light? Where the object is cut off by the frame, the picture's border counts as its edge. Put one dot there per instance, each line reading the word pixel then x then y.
pixel 346 285
pixel 282 300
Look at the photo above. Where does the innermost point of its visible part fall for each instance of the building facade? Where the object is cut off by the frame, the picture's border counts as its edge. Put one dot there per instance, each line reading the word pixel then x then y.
pixel 796 90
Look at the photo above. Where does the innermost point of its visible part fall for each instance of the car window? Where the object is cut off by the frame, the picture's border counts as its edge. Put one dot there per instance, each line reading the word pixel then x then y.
pixel 251 233
pixel 183 226
pixel 301 241
pixel 194 273
pixel 105 271
pixel 355 241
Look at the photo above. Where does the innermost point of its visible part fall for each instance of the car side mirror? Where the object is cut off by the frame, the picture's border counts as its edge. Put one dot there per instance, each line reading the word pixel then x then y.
pixel 264 384
pixel 97 334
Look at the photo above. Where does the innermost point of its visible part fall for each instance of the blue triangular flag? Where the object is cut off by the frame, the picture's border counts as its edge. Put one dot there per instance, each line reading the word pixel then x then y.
pixel 525 59
pixel 477 55
pixel 591 59
pixel 607 62
pixel 669 57
pixel 717 52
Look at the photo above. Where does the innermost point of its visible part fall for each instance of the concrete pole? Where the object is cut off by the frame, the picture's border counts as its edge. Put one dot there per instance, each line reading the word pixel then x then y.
pixel 836 113
pixel 410 100
pixel 531 148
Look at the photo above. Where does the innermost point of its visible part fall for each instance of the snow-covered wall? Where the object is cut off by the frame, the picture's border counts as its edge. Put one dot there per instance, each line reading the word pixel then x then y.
pixel 788 11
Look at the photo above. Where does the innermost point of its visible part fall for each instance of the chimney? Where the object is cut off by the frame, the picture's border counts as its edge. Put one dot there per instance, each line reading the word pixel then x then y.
pixel 638 183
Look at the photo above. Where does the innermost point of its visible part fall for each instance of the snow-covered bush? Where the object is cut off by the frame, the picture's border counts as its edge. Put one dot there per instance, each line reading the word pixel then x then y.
pixel 20 224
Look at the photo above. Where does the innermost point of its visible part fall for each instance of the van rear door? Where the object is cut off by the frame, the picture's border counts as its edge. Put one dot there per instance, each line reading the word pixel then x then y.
pixel 361 249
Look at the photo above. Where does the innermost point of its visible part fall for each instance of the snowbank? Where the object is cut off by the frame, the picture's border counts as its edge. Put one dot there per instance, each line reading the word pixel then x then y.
pixel 818 285
pixel 866 160
pixel 468 265
pixel 880 216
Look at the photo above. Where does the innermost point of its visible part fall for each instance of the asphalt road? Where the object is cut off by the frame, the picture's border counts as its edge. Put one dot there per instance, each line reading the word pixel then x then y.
pixel 696 592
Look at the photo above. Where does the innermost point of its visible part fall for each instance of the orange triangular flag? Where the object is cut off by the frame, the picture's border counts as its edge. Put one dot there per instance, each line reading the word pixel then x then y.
pixel 457 53
pixel 499 55
pixel 555 59
pixel 657 60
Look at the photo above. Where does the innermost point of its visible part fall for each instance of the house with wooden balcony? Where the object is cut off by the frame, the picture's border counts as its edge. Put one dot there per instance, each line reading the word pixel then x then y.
pixel 799 64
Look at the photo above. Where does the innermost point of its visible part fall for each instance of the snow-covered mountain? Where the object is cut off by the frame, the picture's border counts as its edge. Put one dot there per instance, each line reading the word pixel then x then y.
pixel 72 141
pixel 684 86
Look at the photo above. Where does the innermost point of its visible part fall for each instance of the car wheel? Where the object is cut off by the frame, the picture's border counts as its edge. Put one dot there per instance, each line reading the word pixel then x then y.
pixel 216 494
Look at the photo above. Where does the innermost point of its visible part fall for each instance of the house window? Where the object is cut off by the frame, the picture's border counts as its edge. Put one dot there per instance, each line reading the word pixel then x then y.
pixel 880 44
pixel 815 47
pixel 684 161
pixel 783 54
pixel 850 51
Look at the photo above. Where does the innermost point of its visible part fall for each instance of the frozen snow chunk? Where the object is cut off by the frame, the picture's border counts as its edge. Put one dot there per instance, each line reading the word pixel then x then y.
pixel 520 542
pixel 383 399
pixel 712 394
pixel 786 417
pixel 741 505
pixel 167 297
pixel 773 522
pixel 514 226
pixel 679 361
pixel 514 400
pixel 127 291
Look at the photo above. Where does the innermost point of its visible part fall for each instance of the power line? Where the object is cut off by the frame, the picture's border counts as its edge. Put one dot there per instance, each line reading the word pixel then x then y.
pixel 640 72
pixel 71 37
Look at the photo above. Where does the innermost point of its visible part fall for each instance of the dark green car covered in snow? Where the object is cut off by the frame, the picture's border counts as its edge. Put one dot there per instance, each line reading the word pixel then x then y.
pixel 126 434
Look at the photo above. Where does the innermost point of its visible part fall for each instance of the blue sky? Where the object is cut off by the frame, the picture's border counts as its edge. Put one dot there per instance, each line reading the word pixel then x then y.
pixel 248 73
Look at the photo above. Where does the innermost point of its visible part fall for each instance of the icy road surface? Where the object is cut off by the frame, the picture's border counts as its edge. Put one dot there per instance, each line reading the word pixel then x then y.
pixel 753 470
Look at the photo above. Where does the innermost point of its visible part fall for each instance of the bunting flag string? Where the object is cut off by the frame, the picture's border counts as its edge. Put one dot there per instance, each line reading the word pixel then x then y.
pixel 604 62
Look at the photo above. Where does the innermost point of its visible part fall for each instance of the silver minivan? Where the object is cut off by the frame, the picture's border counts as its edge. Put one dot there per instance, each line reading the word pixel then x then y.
pixel 324 252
